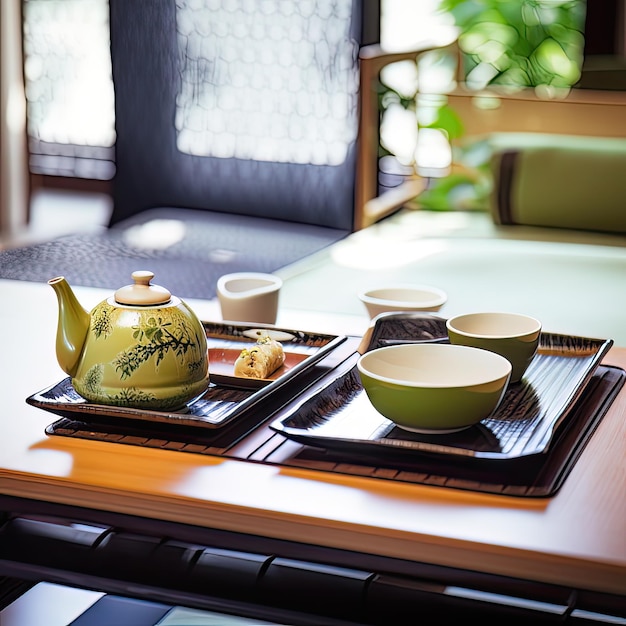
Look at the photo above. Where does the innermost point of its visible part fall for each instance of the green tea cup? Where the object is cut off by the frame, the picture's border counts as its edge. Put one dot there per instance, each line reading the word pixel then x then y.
pixel 511 335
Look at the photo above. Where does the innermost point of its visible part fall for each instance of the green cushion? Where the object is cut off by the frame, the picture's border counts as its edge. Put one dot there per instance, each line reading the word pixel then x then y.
pixel 561 181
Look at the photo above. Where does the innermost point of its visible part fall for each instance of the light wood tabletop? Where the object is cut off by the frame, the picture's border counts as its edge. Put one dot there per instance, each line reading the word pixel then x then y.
pixel 576 538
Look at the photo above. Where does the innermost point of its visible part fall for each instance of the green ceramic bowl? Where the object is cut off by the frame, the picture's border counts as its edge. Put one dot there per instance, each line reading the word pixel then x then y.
pixel 434 388
pixel 512 335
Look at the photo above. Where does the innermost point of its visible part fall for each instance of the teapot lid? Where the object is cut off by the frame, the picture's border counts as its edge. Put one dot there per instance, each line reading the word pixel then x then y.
pixel 141 292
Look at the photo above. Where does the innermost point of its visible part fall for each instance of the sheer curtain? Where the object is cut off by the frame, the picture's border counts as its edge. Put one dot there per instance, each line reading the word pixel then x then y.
pixel 14 180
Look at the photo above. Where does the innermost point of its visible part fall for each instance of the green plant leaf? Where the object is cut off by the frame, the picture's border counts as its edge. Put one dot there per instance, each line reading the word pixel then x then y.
pixel 456 192
pixel 448 120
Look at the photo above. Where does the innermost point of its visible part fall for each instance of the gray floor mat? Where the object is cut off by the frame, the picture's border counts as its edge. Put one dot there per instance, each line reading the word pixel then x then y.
pixel 213 245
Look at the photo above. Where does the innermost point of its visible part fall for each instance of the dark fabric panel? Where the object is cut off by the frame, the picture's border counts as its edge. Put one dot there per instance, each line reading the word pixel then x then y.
pixel 151 172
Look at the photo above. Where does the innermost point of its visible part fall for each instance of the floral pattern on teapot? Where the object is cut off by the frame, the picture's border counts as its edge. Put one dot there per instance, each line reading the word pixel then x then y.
pixel 132 355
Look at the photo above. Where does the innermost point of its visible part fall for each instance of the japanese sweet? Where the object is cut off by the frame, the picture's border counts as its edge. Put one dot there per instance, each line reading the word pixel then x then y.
pixel 434 388
pixel 141 347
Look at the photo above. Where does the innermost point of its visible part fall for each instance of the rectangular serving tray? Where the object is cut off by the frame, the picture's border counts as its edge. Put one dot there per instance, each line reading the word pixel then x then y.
pixel 227 396
pixel 337 414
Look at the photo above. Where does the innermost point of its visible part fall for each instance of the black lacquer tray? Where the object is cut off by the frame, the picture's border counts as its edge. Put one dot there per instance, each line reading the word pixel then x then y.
pixel 339 415
pixel 227 396
pixel 471 460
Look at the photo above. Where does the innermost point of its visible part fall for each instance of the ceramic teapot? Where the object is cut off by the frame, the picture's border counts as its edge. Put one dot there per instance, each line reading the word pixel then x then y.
pixel 142 347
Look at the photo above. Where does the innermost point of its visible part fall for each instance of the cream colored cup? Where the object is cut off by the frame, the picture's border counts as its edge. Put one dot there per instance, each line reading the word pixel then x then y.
pixel 249 297
pixel 402 297
pixel 512 335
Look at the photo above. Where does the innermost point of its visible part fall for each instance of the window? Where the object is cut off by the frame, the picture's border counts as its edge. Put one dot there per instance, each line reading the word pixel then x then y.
pixel 69 91
pixel 70 98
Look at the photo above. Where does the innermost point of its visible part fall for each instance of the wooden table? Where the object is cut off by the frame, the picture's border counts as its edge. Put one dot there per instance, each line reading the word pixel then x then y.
pixel 576 538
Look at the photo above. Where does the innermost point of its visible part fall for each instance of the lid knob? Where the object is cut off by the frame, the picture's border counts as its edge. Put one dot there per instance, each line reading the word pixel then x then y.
pixel 142 292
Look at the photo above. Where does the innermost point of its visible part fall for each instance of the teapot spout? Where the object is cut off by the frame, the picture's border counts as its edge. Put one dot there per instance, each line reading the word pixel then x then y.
pixel 72 326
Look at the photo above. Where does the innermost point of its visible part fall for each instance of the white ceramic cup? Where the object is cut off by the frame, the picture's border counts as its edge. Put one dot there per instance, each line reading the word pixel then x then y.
pixel 249 297
pixel 402 297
